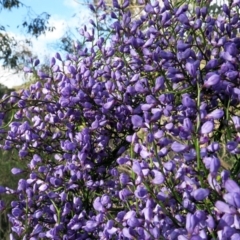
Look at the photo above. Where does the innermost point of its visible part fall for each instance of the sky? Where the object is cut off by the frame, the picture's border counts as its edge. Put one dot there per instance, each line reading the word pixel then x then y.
pixel 65 14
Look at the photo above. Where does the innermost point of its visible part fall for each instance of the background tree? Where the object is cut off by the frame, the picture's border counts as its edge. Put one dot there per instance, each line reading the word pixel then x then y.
pixel 12 52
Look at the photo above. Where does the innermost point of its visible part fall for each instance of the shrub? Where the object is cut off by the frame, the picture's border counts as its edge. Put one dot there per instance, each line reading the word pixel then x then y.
pixel 135 136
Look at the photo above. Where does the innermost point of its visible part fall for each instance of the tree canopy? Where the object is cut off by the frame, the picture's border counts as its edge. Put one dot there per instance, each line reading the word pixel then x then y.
pixel 12 52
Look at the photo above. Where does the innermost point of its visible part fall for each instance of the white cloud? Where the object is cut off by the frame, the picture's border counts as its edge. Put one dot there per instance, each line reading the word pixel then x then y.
pixel 10 79
pixel 44 45
pixel 72 3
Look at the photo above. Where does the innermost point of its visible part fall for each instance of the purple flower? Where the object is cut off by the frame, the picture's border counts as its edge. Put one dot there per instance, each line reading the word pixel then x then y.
pixel 188 102
pixel 216 114
pixel 109 104
pixel 201 215
pixel 124 194
pixel 158 177
pixel 23 153
pixel 133 222
pixel 183 19
pixel 124 178
pixel 181 9
pixel 214 165
pixel 17 212
pixel 37 229
pixel 191 222
pixel 181 46
pixel 178 147
pixel 235 236
pixel 232 145
pixel 16 171
pixel 191 69
pixel 149 8
pixel 224 208
pixel 98 205
pixel 90 225
pixel 198 24
pixel 148 213
pixel 210 222
pixel 165 17
pixel 43 187
pixel 233 199
pixel 200 194
pixel 57 56
pixel 141 192
pixel 137 121
pixel 136 167
pixel 105 200
pixel 159 83
pixel 213 63
pixel 129 215
pixel 187 124
pixel 213 147
pixel 231 186
pixel 127 233
pixel 211 81
pixel 2 189
pixel 207 127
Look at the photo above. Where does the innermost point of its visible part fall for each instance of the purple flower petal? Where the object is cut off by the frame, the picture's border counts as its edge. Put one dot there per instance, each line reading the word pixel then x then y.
pixel 224 208
pixel 216 114
pixel 126 233
pixel 91 225
pixel 98 205
pixel 207 127
pixel 148 213
pixel 37 229
pixel 236 121
pixel 214 165
pixel 178 147
pixel 183 18
pixel 58 56
pixel 144 153
pixel 137 121
pixel 213 80
pixel 188 102
pixel 231 186
pixel 129 215
pixel 159 83
pixel 187 124
pixel 2 189
pixel 181 46
pixel 200 194
pixel 16 171
pixel 231 145
pixel 158 177
pixel 109 105
pixel 124 178
pixel 191 69
pixel 136 167
pixel 43 187
pixel 133 222
pixel 210 222
pixel 141 192
pixel 191 222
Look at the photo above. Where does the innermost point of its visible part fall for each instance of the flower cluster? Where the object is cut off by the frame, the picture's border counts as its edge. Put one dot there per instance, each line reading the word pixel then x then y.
pixel 135 136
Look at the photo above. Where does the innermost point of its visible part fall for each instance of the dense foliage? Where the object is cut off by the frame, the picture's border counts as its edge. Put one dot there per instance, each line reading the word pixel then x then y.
pixel 134 137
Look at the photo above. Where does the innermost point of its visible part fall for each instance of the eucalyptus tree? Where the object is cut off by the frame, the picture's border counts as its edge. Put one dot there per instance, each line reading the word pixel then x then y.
pixel 13 52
